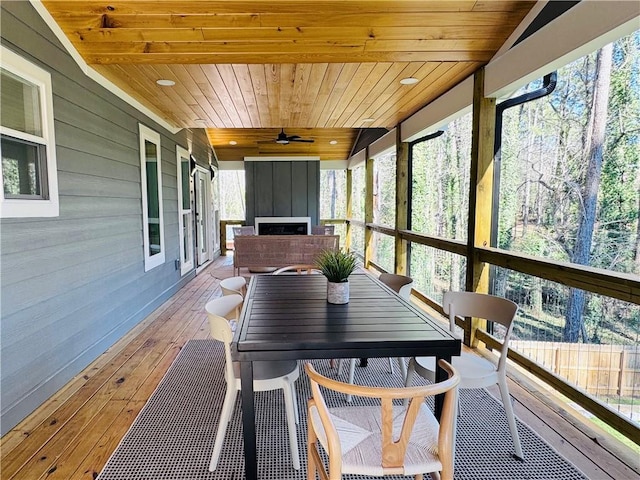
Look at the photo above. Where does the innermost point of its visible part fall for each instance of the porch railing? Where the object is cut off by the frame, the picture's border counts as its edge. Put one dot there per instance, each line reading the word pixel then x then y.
pixel 609 387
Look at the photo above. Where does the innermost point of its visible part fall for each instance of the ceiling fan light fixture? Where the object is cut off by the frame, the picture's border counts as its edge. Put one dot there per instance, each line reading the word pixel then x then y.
pixel 409 81
pixel 333 142
pixel 165 82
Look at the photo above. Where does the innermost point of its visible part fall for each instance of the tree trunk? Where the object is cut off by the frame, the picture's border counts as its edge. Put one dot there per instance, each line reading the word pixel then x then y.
pixel 636 246
pixel 595 143
pixel 334 193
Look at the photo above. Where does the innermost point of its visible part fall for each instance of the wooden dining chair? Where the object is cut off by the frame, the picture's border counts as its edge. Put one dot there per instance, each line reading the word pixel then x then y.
pixel 298 269
pixel 381 440
pixel 268 375
pixel 475 371
pixel 245 230
pixel 323 230
pixel 402 285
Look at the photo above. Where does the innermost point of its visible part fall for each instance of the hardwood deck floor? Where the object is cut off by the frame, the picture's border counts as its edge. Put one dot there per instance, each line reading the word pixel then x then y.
pixel 72 435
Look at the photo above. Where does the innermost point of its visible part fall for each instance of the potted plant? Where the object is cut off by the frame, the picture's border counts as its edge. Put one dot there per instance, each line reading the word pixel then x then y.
pixel 337 265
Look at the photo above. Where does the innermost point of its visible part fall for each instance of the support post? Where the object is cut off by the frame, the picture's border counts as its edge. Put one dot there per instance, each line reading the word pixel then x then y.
pixel 368 211
pixel 480 196
pixel 223 238
pixel 402 203
pixel 347 239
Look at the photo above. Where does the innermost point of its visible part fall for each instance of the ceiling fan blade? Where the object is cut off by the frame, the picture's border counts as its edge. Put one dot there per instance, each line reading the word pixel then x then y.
pixel 302 140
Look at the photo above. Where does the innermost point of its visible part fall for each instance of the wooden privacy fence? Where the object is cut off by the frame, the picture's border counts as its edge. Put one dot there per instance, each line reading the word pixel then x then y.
pixel 598 369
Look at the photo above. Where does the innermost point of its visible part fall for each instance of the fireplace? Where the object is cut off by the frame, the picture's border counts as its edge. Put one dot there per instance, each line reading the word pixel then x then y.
pixel 283 225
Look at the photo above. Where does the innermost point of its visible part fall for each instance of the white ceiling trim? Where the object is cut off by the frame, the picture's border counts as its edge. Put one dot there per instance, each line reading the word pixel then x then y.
pixel 384 144
pixel 231 165
pixel 447 107
pixel 95 76
pixel 357 159
pixel 580 31
pixel 334 164
pixel 308 158
pixel 521 28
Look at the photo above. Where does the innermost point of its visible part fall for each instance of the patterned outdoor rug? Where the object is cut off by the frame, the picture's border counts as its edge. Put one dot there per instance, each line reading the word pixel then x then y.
pixel 173 436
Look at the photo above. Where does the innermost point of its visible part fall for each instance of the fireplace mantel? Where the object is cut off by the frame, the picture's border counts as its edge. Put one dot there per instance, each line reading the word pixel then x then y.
pixel 283 225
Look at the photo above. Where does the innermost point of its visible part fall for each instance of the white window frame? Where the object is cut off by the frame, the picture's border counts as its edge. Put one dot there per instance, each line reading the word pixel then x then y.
pixel 187 266
pixel 151 261
pixel 18 207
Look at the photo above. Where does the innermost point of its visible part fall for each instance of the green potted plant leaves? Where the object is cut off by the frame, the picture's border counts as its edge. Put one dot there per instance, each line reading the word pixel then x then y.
pixel 337 265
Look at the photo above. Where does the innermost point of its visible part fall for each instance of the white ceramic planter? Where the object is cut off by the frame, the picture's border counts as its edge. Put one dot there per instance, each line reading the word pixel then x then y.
pixel 338 293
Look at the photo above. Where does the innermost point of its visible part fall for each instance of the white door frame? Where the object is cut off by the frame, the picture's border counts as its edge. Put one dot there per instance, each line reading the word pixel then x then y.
pixel 186 226
pixel 215 210
pixel 203 215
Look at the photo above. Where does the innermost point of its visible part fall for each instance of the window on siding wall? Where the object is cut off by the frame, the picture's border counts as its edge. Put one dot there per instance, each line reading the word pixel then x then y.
pixel 29 172
pixel 151 177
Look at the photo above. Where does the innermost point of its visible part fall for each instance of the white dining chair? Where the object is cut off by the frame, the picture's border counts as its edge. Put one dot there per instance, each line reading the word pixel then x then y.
pixel 402 285
pixel 234 285
pixel 271 375
pixel 475 371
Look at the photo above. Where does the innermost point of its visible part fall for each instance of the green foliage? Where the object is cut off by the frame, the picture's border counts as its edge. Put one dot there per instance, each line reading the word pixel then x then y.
pixel 333 193
pixel 358 188
pixel 336 265
pixel 544 165
pixel 232 194
pixel 384 190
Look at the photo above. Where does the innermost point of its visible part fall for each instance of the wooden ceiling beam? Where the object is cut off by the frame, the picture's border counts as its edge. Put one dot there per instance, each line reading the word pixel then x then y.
pixel 107 58
pixel 285 7
pixel 271 34
pixel 450 23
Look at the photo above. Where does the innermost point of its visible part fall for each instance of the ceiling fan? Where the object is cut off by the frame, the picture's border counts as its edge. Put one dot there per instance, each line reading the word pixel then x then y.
pixel 284 139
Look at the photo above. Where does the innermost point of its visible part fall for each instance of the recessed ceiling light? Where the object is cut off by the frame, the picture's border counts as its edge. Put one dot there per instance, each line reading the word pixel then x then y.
pixel 163 82
pixel 367 120
pixel 409 81
pixel 233 142
pixel 333 142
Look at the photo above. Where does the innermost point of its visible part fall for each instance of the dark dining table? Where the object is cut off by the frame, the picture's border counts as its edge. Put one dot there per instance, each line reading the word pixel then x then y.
pixel 288 317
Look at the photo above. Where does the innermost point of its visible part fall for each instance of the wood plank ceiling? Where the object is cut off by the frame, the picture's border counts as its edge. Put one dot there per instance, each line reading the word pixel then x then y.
pixel 320 69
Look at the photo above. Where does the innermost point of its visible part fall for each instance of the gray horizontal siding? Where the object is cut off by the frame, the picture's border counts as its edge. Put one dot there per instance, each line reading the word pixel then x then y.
pixel 73 285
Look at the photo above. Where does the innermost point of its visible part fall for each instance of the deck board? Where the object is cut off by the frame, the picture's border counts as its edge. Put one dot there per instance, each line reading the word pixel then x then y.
pixel 72 435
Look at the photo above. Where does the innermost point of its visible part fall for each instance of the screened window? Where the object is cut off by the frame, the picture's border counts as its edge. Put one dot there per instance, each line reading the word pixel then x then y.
pixel 151 177
pixel 232 195
pixel 358 187
pixel 29 174
pixel 384 189
pixel 333 194
pixel 440 182
pixel 570 170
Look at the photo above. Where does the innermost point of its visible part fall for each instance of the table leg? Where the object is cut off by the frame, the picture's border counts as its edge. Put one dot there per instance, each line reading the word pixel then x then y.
pixel 248 421
pixel 441 376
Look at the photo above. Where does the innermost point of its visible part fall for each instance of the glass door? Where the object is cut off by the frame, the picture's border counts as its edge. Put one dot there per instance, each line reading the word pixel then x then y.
pixel 185 211
pixel 203 200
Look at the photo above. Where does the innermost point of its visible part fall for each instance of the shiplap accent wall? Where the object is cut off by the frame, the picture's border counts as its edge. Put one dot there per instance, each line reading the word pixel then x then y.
pixel 282 189
pixel 73 285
